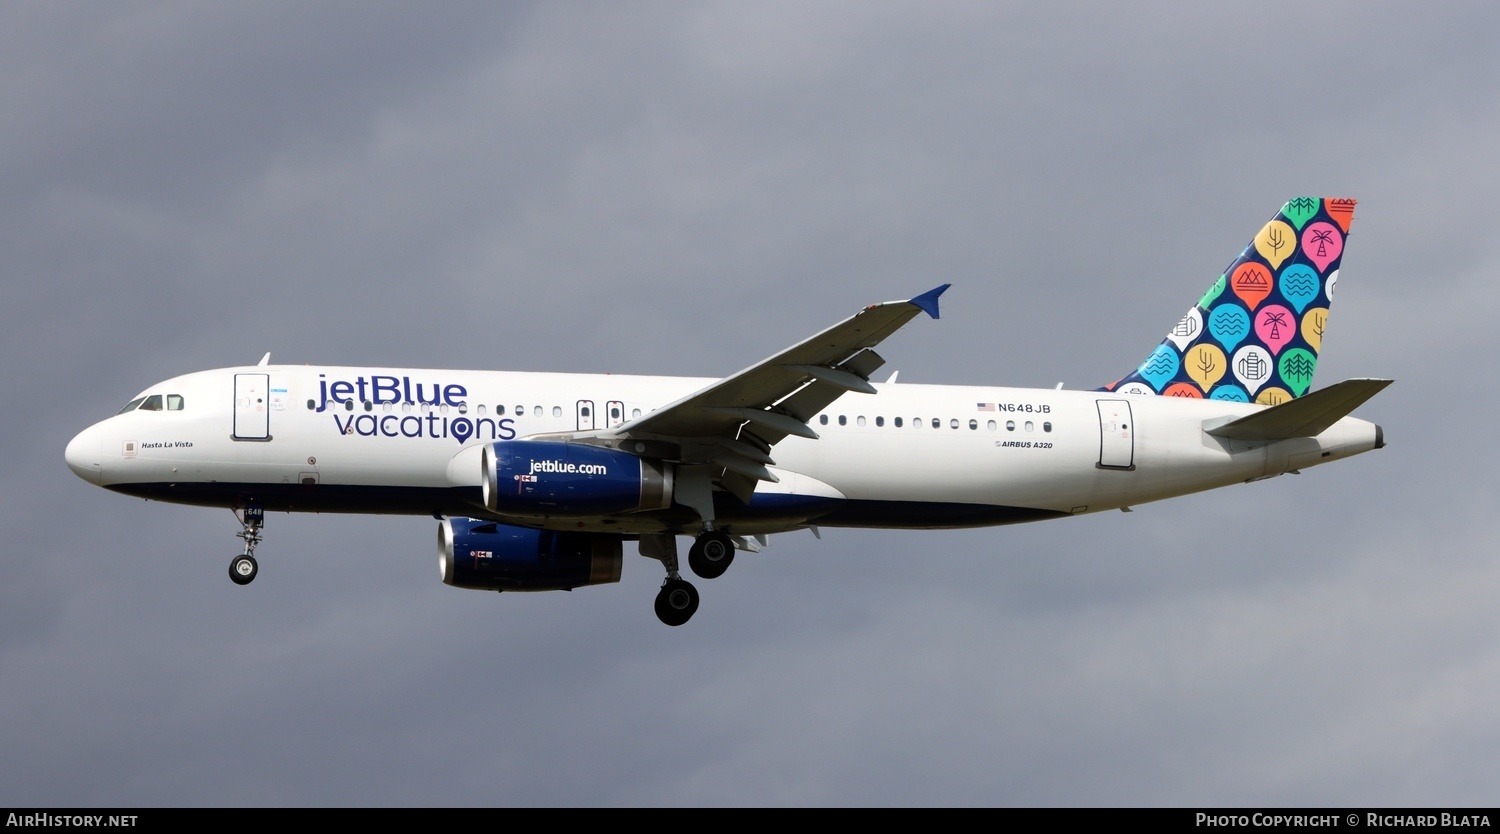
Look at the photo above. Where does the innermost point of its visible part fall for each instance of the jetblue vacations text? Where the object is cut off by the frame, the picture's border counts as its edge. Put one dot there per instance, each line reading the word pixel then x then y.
pixel 379 390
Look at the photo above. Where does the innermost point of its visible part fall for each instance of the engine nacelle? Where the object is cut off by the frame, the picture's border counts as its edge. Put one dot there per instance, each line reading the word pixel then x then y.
pixel 489 556
pixel 534 477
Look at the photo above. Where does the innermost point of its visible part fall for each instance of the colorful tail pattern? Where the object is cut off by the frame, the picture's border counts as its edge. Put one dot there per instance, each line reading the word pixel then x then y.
pixel 1255 335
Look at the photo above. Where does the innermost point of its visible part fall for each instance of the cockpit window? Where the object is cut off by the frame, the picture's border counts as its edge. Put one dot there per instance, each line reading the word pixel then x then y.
pixel 174 402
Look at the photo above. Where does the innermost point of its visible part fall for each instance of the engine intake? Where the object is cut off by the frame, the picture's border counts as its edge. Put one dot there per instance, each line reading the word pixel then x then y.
pixel 489 556
pixel 533 477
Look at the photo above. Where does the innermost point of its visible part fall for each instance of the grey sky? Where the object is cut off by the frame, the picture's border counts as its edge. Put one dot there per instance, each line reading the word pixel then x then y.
pixel 686 188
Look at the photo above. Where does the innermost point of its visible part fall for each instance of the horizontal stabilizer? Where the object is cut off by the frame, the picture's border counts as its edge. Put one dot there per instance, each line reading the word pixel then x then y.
pixel 1307 416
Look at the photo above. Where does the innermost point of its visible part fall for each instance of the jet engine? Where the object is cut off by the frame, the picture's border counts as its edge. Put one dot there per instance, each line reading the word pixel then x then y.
pixel 489 556
pixel 533 477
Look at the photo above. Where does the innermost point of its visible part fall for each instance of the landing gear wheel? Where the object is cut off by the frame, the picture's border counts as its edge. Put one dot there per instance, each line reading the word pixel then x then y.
pixel 676 602
pixel 711 554
pixel 242 570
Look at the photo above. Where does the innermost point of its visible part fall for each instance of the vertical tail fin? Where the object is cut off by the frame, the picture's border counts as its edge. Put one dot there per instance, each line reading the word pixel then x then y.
pixel 1255 335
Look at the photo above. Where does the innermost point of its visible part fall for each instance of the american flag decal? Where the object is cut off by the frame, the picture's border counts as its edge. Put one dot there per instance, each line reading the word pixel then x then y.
pixel 986 406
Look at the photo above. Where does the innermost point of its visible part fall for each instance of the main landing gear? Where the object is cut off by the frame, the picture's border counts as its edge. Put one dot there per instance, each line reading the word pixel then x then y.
pixel 709 557
pixel 711 554
pixel 242 569
pixel 676 602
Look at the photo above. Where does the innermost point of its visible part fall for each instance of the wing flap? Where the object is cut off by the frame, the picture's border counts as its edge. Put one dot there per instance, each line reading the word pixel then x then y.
pixel 837 378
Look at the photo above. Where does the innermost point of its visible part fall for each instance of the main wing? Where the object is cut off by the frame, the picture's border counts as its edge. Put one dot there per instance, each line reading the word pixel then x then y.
pixel 733 424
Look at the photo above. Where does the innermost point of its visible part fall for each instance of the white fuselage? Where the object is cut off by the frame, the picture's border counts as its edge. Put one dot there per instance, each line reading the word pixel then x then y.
pixel 343 439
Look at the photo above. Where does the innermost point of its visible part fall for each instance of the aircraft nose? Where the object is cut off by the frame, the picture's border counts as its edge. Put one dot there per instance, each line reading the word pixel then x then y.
pixel 83 455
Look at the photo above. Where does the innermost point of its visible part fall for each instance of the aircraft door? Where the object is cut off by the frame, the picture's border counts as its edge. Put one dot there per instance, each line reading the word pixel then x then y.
pixel 615 414
pixel 1116 435
pixel 252 407
pixel 585 415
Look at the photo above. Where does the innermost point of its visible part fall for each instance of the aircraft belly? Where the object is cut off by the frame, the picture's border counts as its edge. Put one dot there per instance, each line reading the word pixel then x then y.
pixel 426 468
pixel 319 498
pixel 964 471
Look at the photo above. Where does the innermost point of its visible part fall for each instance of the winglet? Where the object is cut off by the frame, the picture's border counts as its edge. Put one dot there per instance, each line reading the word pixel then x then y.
pixel 928 301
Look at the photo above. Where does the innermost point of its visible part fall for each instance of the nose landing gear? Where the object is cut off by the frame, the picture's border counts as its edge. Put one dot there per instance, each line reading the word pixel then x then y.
pixel 242 569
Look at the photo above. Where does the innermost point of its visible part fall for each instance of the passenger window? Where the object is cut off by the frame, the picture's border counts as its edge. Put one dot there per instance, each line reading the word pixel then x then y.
pixel 843 421
pixel 174 402
pixel 1046 427
pixel 860 420
pixel 132 405
pixel 822 419
pixel 973 425
pixel 898 422
pixel 556 411
pixel 311 405
pixel 152 403
pixel 1010 425
pixel 936 423
pixel 879 421
pixel 953 423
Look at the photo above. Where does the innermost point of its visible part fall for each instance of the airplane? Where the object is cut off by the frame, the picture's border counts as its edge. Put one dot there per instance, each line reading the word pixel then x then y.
pixel 538 479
